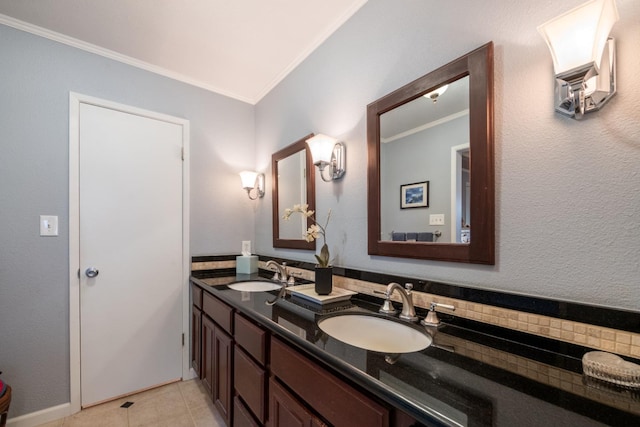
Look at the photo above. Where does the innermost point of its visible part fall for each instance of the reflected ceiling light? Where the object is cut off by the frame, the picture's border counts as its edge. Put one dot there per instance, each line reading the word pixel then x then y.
pixel 327 151
pixel 434 94
pixel 583 56
pixel 253 181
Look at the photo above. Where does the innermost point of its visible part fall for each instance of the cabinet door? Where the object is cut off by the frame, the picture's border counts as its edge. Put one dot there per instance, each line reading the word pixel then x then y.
pixel 286 411
pixel 250 383
pixel 223 374
pixel 208 351
pixel 196 333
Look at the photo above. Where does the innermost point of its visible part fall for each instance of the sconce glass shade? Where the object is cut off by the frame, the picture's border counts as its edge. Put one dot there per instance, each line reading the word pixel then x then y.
pixel 578 37
pixel 321 147
pixel 248 179
pixel 252 181
pixel 435 94
pixel 583 56
pixel 327 151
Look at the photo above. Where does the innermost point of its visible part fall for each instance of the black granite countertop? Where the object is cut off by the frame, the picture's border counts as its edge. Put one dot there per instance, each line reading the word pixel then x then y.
pixel 470 376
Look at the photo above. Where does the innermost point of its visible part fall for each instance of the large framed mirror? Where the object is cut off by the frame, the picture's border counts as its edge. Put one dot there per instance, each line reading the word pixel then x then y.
pixel 293 184
pixel 431 165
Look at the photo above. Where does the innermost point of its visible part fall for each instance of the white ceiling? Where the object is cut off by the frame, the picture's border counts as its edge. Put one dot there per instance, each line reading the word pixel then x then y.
pixel 238 48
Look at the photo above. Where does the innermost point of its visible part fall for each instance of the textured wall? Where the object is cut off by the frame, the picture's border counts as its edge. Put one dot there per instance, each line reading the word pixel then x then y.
pixel 36 76
pixel 567 192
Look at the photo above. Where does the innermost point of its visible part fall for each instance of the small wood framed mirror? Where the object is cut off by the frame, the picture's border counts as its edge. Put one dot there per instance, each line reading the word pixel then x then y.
pixel 293 184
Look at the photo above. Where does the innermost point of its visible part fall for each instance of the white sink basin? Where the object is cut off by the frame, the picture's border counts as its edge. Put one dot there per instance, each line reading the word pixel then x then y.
pixel 375 333
pixel 255 286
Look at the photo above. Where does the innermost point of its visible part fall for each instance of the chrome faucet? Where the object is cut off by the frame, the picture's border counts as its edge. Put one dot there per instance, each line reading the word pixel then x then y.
pixel 281 271
pixel 408 311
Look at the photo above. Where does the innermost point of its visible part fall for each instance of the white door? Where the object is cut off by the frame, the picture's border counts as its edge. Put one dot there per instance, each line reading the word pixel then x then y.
pixel 130 209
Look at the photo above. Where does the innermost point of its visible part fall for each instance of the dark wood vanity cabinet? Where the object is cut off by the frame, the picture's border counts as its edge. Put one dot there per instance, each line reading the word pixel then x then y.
pixel 196 329
pixel 242 416
pixel 208 350
pixel 330 397
pixel 217 354
pixel 250 374
pixel 223 374
pixel 286 411
pixel 256 379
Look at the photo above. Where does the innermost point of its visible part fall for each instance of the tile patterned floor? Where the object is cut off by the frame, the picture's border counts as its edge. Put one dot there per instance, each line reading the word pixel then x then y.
pixel 181 404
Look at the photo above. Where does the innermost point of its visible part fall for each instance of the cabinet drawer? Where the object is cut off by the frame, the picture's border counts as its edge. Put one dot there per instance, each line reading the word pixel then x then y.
pixel 241 415
pixel 251 337
pixel 218 311
pixel 338 402
pixel 196 296
pixel 286 410
pixel 250 383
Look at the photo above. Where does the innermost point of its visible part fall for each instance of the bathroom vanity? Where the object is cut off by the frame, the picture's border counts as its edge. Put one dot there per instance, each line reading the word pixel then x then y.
pixel 265 361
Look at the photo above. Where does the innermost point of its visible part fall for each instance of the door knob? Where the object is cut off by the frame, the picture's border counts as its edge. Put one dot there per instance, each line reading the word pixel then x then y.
pixel 91 272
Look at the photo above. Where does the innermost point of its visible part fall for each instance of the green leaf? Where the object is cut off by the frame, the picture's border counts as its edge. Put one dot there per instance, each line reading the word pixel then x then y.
pixel 323 258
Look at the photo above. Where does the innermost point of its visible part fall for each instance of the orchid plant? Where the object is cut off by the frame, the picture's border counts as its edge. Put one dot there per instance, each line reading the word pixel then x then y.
pixel 314 231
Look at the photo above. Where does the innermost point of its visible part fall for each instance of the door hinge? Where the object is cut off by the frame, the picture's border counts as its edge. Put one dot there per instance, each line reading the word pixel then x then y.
pixel 183 339
pixel 182 153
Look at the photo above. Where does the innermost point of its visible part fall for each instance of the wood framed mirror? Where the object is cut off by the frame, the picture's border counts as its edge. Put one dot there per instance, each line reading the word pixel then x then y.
pixel 293 184
pixel 436 130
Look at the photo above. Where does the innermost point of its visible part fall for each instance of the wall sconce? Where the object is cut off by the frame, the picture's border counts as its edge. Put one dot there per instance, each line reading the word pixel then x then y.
pixel 327 151
pixel 253 181
pixel 583 56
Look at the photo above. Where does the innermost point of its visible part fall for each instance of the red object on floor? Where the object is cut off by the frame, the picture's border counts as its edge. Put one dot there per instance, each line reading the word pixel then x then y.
pixel 5 401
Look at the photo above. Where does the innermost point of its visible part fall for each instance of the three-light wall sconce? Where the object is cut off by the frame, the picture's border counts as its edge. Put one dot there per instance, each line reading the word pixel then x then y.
pixel 327 151
pixel 583 57
pixel 253 181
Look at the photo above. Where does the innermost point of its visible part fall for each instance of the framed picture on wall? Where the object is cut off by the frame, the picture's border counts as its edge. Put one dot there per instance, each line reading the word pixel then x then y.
pixel 414 195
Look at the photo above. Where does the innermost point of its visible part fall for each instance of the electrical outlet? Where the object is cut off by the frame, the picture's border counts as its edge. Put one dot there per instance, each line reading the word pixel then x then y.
pixel 436 219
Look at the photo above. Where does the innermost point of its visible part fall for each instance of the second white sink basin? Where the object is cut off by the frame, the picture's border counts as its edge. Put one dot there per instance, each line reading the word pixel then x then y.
pixel 254 286
pixel 375 333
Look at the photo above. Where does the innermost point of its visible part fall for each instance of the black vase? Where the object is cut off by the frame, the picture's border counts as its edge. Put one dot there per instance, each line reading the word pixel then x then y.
pixel 324 280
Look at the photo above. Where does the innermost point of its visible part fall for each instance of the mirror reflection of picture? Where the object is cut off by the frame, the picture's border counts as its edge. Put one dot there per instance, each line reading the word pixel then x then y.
pixel 414 195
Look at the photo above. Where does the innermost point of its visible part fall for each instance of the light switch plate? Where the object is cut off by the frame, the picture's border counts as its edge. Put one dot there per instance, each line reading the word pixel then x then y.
pixel 436 219
pixel 48 225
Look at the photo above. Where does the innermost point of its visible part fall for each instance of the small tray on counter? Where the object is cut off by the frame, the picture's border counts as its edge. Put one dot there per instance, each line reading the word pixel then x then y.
pixel 308 292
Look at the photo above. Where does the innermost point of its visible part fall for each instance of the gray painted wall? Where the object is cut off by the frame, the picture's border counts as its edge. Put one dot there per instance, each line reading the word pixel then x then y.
pixel 567 192
pixel 36 76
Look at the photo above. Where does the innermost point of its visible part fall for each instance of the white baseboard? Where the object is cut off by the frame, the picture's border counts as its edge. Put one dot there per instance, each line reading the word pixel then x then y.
pixel 40 417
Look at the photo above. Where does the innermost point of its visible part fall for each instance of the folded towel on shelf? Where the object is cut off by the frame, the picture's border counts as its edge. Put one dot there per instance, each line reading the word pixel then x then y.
pixel 398 236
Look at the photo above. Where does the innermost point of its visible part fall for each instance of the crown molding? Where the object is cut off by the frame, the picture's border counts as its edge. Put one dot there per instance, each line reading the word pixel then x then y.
pixel 110 54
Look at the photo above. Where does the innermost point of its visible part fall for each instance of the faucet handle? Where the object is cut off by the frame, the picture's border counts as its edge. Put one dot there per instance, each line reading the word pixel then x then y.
pixel 292 278
pixel 432 317
pixel 387 307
